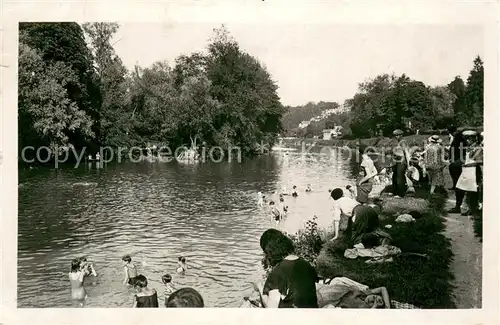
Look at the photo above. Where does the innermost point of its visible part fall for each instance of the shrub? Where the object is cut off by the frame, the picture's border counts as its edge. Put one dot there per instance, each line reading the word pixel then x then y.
pixel 308 241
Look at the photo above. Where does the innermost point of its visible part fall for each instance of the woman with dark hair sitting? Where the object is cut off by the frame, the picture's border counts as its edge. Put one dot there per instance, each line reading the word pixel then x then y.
pixel 292 280
pixel 145 297
pixel 185 298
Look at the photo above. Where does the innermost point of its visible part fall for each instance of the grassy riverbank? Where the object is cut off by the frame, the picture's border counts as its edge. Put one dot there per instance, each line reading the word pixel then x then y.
pixel 422 282
pixel 377 142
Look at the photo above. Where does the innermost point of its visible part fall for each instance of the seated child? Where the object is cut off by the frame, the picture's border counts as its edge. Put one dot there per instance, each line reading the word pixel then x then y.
pixel 182 265
pixel 130 270
pixel 294 192
pixel 169 289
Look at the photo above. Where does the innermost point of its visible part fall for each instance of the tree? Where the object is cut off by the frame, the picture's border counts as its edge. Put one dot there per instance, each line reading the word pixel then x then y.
pixel 65 43
pixel 474 101
pixel 250 109
pixel 47 115
pixel 457 88
pixel 113 84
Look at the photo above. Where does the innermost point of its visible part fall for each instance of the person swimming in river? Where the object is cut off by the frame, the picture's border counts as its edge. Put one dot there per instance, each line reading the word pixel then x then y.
pixel 283 207
pixel 294 192
pixel 260 199
pixel 308 189
pixel 169 289
pixel 275 212
pixel 182 265
pixel 76 276
pixel 84 264
pixel 130 270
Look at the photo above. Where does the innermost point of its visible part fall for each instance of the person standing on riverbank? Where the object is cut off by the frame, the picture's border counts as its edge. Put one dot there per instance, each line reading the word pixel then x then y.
pixel 401 158
pixel 365 184
pixel 434 162
pixel 456 157
pixel 468 183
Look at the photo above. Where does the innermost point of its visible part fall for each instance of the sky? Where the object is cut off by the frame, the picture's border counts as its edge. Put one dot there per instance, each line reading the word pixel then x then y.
pixel 319 62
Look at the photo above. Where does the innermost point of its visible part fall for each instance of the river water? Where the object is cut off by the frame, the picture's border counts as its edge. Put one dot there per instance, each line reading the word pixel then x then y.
pixel 157 212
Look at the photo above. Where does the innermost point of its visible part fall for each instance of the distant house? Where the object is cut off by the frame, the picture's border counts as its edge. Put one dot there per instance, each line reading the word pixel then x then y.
pixel 332 133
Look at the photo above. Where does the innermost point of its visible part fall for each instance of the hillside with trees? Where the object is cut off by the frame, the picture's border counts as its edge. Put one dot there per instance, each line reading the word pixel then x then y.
pixel 388 101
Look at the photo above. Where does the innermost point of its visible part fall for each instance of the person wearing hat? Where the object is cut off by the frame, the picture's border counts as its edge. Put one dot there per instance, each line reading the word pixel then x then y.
pixel 456 157
pixel 434 162
pixel 470 178
pixel 401 158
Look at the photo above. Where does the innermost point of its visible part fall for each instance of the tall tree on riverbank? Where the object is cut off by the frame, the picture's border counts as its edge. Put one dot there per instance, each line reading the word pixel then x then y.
pixel 113 83
pixel 474 95
pixel 65 43
pixel 48 116
pixel 457 87
pixel 250 109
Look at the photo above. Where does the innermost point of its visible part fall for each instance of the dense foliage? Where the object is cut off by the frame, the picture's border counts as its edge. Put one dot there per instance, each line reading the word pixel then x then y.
pixel 388 101
pixel 74 94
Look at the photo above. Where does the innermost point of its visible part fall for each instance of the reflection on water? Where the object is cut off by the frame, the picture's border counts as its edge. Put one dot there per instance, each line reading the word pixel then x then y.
pixel 156 212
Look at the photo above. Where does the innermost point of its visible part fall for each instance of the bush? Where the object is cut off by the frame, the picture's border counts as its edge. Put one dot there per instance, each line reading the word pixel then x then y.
pixel 308 241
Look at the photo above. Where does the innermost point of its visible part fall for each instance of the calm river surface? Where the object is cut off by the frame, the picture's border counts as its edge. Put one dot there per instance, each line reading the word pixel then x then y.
pixel 156 212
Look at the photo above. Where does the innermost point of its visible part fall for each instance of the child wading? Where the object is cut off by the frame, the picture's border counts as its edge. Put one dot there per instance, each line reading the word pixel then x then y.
pixel 182 265
pixel 169 289
pixel 76 276
pixel 275 213
pixel 130 270
pixel 145 297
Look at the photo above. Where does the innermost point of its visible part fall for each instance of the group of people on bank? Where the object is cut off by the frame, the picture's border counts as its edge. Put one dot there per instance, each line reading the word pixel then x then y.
pixel 463 156
pixel 293 282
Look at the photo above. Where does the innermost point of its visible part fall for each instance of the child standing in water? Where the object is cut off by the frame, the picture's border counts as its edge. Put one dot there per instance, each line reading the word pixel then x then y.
pixel 182 265
pixel 84 264
pixel 76 276
pixel 294 192
pixel 260 199
pixel 275 212
pixel 130 270
pixel 145 297
pixel 169 289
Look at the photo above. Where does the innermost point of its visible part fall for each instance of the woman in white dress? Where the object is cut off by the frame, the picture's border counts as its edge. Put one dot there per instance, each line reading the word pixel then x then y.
pixel 468 181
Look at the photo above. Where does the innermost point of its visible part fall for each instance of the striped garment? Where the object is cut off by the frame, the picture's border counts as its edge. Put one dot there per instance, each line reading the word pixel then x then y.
pixel 402 305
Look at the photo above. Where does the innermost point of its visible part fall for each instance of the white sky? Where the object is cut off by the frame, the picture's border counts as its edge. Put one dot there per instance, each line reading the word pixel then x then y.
pixel 320 62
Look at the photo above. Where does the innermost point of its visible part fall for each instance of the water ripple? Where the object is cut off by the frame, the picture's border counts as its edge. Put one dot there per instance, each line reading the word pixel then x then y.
pixel 156 213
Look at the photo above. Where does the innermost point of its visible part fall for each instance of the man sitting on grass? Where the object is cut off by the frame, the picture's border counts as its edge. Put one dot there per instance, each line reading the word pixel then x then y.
pixel 356 222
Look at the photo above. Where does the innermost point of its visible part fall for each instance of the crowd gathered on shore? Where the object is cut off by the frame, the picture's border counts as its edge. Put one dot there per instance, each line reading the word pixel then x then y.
pixel 291 281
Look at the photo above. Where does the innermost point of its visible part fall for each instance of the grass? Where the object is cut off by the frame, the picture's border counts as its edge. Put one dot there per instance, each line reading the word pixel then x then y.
pixel 412 279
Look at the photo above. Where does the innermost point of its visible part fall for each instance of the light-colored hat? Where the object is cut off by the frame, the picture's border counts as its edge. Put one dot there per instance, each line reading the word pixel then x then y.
pixel 398 132
pixel 482 133
pixel 469 133
pixel 434 139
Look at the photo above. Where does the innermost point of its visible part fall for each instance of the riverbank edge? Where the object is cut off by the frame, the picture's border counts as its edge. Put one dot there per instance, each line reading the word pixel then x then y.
pixel 423 283
pixel 375 142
